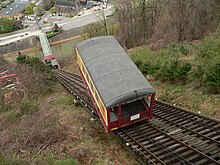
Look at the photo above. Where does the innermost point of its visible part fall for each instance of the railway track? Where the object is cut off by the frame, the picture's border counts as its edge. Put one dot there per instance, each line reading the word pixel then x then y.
pixel 172 136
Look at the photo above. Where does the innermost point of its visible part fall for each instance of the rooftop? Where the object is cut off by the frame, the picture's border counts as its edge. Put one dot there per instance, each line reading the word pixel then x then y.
pixel 115 76
pixel 14 8
pixel 65 3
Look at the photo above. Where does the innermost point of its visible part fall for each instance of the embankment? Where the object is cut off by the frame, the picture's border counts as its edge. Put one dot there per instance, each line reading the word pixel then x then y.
pixel 32 43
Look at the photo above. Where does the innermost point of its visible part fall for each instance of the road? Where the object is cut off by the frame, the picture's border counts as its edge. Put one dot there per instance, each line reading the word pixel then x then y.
pixel 79 21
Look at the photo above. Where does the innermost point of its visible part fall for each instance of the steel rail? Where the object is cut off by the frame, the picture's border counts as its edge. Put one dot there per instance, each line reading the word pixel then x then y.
pixel 157 136
pixel 145 134
pixel 162 107
pixel 189 130
pixel 131 140
pixel 186 145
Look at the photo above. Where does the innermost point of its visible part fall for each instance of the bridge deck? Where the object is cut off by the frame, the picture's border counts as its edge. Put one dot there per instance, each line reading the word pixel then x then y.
pixel 45 44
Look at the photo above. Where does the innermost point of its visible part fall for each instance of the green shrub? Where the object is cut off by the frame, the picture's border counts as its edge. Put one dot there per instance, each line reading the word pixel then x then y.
pixel 142 66
pixel 174 71
pixel 206 71
pixel 38 66
pixel 138 63
pixel 39 77
pixel 21 59
pixel 147 67
pixel 149 62
pixel 212 78
pixel 34 63
pixel 56 30
pixel 196 75
pixel 168 71
pixel 154 68
pixel 52 9
pixel 6 24
pixel 181 48
pixel 29 9
pixel 53 33
pixel 174 47
pixel 165 53
pixel 4 4
pixel 202 71
pixel 209 48
pixel 184 70
pixel 185 49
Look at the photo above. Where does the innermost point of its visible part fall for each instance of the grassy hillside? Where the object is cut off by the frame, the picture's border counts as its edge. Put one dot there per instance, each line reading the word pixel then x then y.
pixel 56 132
pixel 46 128
pixel 185 74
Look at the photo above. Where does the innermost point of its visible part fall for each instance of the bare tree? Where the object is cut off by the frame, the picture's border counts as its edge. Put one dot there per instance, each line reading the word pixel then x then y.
pixel 102 27
pixel 169 20
pixel 193 18
pixel 127 22
pixel 101 16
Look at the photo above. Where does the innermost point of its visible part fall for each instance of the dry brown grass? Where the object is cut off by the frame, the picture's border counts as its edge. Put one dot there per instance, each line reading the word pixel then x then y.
pixel 61 131
pixel 188 97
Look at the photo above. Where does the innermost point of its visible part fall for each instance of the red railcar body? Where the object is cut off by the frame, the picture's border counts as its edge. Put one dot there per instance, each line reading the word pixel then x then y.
pixel 121 95
pixel 51 61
